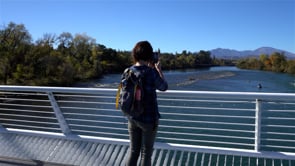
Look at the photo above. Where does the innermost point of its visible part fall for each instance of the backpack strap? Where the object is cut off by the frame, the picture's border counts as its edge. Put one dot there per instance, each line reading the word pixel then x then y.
pixel 118 95
pixel 137 73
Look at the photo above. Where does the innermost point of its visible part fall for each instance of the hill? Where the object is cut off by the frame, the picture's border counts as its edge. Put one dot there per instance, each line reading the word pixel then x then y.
pixel 234 54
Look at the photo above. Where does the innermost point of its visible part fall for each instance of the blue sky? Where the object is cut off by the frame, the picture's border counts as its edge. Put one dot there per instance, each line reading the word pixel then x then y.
pixel 171 25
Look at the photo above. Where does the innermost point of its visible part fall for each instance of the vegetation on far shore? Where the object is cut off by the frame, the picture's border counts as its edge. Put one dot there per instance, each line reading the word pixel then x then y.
pixel 276 62
pixel 65 59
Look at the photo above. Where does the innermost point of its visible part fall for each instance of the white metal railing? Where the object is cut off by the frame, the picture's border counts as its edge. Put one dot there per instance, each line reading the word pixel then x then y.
pixel 237 123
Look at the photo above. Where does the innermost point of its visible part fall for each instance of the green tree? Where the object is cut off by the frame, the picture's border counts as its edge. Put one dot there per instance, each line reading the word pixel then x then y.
pixel 82 53
pixel 64 59
pixel 203 58
pixel 37 61
pixel 65 43
pixel 15 42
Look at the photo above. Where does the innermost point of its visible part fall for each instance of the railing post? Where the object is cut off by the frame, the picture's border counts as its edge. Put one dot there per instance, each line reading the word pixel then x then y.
pixel 258 110
pixel 61 120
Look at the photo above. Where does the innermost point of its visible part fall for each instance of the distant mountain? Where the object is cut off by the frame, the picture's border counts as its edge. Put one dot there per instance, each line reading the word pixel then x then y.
pixel 234 54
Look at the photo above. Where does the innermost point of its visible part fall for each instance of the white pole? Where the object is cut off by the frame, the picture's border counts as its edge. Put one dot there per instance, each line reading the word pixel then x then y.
pixel 258 124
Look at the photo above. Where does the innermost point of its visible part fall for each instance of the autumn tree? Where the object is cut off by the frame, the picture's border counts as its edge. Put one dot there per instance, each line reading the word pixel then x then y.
pixel 276 62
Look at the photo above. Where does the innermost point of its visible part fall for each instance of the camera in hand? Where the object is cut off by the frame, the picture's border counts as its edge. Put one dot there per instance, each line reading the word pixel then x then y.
pixel 155 57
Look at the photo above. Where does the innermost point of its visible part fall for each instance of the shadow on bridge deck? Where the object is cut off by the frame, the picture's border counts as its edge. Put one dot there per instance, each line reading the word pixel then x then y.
pixel 19 149
pixel 33 150
pixel 7 161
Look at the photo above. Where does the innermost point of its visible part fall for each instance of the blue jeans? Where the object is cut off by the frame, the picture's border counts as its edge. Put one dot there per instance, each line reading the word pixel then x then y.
pixel 142 138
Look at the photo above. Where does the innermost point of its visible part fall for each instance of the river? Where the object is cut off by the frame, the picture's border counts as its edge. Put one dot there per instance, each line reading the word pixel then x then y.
pixel 214 79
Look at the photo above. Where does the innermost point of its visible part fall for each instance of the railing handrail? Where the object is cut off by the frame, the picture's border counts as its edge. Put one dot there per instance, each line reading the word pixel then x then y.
pixel 205 94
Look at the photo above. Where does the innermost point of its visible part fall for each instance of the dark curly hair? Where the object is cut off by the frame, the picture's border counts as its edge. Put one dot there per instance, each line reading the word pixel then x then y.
pixel 143 50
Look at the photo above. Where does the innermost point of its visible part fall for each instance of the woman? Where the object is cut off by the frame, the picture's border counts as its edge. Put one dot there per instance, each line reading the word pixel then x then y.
pixel 143 129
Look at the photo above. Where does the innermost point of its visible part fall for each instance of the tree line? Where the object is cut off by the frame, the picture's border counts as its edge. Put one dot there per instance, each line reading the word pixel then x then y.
pixel 64 59
pixel 276 62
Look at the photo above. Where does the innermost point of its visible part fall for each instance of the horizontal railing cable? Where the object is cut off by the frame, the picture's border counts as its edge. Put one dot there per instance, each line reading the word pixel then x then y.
pixel 97 127
pixel 208 100
pixel 26 111
pixel 208 122
pixel 28 116
pixel 27 121
pixel 204 141
pixel 215 115
pixel 207 129
pixel 25 105
pixel 278 133
pixel 96 121
pixel 206 135
pixel 207 108
pixel 88 109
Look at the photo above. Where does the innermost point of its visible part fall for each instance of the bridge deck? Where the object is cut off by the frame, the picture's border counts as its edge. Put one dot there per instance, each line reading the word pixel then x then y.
pixel 40 150
pixel 62 151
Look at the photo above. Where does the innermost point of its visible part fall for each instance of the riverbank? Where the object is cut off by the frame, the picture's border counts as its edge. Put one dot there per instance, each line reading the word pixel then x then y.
pixel 225 78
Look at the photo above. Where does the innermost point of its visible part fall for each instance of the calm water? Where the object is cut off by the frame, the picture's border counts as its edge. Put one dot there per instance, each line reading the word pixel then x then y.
pixel 214 79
